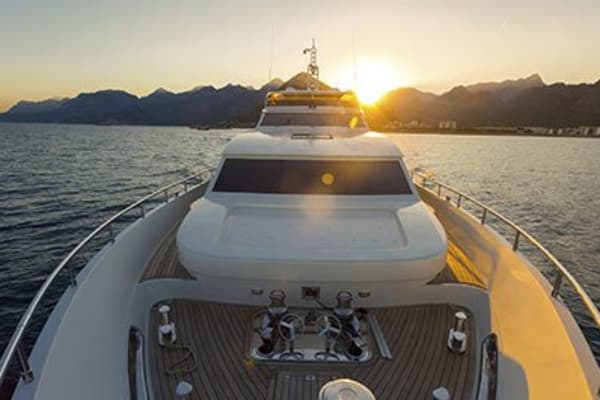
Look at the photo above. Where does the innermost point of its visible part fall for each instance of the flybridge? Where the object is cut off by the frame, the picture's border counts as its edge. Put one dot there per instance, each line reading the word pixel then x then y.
pixel 312 98
pixel 312 111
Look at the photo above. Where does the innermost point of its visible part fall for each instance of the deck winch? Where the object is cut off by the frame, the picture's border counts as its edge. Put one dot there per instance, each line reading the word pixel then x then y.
pixel 270 322
pixel 353 342
pixel 338 334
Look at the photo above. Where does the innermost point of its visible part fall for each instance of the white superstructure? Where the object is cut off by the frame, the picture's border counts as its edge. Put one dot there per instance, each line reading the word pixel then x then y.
pixel 330 112
pixel 287 208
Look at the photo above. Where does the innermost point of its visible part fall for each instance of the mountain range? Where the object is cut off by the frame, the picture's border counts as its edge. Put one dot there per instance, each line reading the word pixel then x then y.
pixel 522 102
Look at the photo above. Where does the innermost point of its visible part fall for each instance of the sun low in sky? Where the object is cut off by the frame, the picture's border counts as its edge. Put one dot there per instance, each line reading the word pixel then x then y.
pixel 61 48
pixel 370 79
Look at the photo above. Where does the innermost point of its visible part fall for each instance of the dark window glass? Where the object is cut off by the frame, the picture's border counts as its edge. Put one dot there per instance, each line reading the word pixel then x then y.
pixel 280 119
pixel 312 177
pixel 312 100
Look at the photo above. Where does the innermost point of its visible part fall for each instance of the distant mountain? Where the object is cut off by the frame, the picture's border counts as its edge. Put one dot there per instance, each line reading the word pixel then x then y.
pixel 230 105
pixel 303 80
pixel 557 105
pixel 98 107
pixel 410 105
pixel 273 84
pixel 507 89
pixel 407 104
pixel 32 107
pixel 520 102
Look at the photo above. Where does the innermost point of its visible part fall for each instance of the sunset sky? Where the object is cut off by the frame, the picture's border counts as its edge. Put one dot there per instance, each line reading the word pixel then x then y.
pixel 62 47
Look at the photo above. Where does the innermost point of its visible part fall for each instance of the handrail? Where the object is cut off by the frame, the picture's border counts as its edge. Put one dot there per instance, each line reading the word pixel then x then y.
pixel 561 270
pixel 14 343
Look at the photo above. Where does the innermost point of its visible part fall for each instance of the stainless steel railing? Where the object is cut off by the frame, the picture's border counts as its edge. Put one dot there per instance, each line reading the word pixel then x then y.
pixel 14 345
pixel 440 189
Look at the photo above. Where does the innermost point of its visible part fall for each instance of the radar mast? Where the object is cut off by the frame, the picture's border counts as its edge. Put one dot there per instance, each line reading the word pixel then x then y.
pixel 313 68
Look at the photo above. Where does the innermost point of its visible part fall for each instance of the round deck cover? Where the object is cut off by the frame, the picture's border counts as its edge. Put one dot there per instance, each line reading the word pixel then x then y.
pixel 345 389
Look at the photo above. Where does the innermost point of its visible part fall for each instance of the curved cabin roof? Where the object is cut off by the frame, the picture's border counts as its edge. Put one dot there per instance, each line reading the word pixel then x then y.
pixel 368 145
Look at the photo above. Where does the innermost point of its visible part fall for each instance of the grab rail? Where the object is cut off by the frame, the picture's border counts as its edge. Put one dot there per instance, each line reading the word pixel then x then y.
pixel 561 271
pixel 14 345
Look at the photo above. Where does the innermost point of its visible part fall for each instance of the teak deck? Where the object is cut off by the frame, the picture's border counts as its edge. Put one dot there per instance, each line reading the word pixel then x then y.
pixel 219 335
pixel 164 262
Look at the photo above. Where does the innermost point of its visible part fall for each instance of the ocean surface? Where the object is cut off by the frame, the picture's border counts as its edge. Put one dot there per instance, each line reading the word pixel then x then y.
pixel 58 182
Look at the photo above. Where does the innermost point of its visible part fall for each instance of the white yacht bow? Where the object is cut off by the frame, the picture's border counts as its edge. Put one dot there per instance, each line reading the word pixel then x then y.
pixel 308 265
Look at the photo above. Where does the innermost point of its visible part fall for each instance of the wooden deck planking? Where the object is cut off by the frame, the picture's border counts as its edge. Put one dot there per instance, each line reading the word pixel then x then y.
pixel 219 335
pixel 164 262
pixel 459 269
pixel 461 266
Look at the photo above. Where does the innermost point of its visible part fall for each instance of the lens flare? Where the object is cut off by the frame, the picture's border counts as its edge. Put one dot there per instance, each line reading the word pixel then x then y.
pixel 327 178
pixel 374 78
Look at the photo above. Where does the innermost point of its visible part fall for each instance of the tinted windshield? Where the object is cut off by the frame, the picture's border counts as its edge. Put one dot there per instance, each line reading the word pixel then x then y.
pixel 350 120
pixel 312 177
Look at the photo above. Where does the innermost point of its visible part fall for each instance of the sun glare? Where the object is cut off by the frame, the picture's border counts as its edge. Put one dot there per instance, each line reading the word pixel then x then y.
pixel 371 81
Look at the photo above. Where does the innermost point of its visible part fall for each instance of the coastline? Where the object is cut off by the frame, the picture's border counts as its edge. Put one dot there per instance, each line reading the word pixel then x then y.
pixel 479 132
pixel 411 131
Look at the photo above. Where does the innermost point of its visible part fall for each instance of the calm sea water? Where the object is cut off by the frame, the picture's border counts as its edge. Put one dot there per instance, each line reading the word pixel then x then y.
pixel 60 181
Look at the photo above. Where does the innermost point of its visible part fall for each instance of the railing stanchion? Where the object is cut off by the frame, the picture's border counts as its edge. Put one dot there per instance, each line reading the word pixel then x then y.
pixel 142 211
pixel 483 216
pixel 439 190
pixel 71 274
pixel 185 187
pixel 458 201
pixel 111 233
pixel 26 372
pixel 166 195
pixel 556 284
pixel 516 242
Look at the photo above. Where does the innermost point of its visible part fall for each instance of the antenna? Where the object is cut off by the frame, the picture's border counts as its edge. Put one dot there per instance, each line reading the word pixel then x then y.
pixel 271 53
pixel 313 68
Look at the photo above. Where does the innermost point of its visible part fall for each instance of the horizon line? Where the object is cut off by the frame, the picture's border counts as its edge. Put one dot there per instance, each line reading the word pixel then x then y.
pixel 140 95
